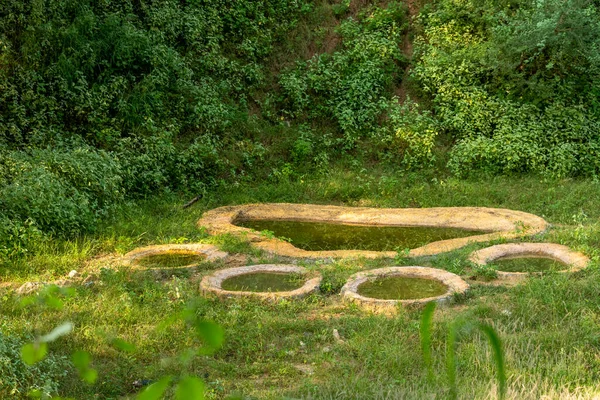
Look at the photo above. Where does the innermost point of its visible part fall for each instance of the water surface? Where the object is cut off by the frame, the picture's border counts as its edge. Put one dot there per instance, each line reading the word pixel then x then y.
pixel 170 260
pixel 528 264
pixel 264 282
pixel 397 287
pixel 317 236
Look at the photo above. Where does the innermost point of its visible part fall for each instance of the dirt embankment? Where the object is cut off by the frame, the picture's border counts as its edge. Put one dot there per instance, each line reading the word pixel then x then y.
pixel 413 7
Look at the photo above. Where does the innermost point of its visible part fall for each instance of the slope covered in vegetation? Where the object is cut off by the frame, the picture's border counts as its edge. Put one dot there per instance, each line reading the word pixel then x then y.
pixel 516 84
pixel 104 101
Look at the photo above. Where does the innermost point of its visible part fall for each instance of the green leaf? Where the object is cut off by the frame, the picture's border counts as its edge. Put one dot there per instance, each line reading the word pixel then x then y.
pixel 425 330
pixel 34 352
pixel 54 302
pixel 27 301
pixel 211 333
pixel 67 291
pixel 156 390
pixel 494 340
pixel 171 320
pixel 81 360
pixel 123 345
pixel 190 388
pixel 90 375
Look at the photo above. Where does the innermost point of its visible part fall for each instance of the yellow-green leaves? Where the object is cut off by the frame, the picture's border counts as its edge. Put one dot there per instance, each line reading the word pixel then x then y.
pixel 190 388
pixel 211 334
pixel 81 360
pixel 34 352
pixel 123 345
pixel 156 390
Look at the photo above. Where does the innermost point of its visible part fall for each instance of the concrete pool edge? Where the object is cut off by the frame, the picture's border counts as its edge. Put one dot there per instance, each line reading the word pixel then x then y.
pixel 501 224
pixel 574 260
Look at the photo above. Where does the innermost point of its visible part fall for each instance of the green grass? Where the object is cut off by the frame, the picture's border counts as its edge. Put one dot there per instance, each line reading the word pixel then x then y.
pixel 549 326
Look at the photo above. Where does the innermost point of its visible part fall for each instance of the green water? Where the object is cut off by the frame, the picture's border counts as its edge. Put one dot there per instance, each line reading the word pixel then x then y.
pixel 528 264
pixel 315 236
pixel 264 282
pixel 170 260
pixel 401 288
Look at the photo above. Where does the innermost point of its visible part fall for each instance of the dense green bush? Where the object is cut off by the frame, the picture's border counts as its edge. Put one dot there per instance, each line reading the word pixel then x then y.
pixel 515 83
pixel 62 192
pixel 102 100
pixel 108 70
pixel 17 237
pixel 414 133
pixel 18 379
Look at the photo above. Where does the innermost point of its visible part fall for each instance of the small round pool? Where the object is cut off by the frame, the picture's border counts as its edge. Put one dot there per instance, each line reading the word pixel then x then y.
pixel 518 260
pixel 383 289
pixel 264 282
pixel 172 256
pixel 398 287
pixel 528 264
pixel 270 281
pixel 171 259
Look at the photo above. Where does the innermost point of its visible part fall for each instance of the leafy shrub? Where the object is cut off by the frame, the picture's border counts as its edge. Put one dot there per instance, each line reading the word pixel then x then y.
pixel 200 164
pixel 16 238
pixel 515 84
pixel 311 150
pixel 60 192
pixel 101 100
pixel 352 85
pixel 558 141
pixel 147 164
pixel 415 132
pixel 17 379
pixel 109 70
pixel 539 51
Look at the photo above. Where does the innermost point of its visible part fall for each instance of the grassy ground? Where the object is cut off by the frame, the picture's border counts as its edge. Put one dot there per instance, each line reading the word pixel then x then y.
pixel 550 326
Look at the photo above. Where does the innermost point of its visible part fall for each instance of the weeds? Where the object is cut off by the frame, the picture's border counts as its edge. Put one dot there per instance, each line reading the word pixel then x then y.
pixel 456 327
pixel 548 325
